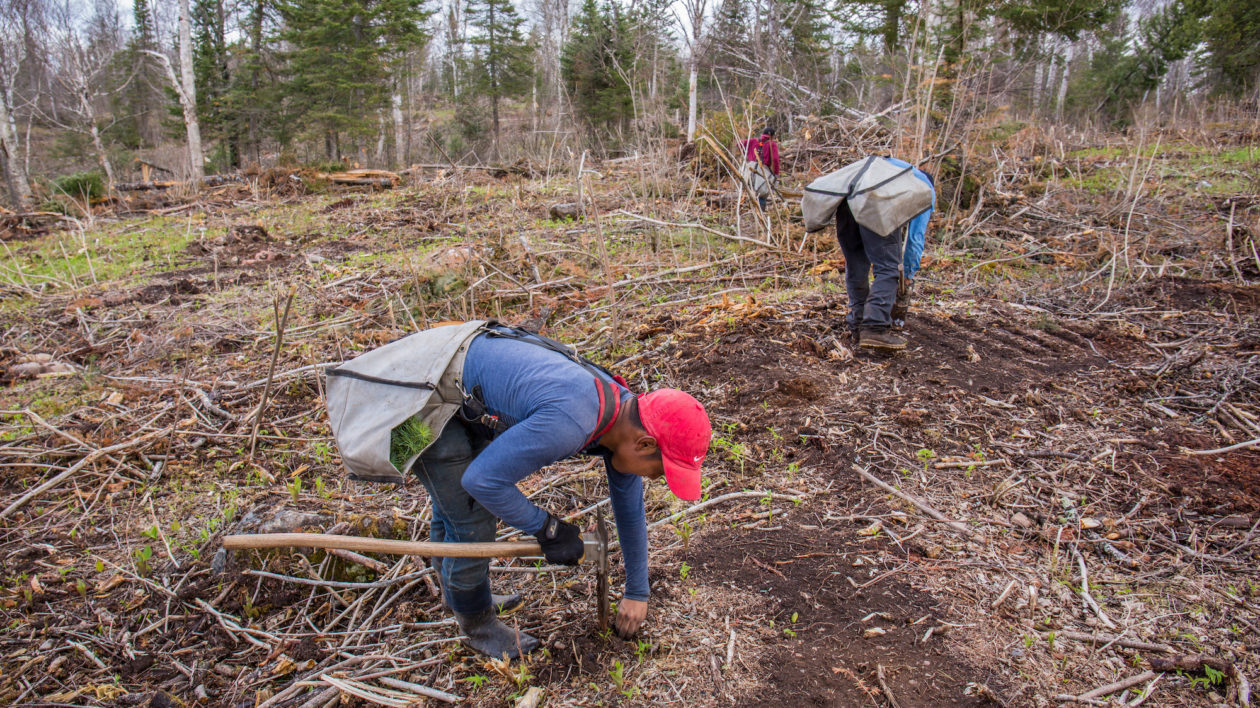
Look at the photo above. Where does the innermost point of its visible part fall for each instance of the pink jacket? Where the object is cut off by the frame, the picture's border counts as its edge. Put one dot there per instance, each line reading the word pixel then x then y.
pixel 764 150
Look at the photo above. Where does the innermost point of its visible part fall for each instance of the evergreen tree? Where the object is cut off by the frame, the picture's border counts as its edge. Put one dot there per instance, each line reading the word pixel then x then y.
pixel 338 61
pixel 219 118
pixel 140 104
pixel 875 18
pixel 806 32
pixel 1231 31
pixel 729 44
pixel 501 54
pixel 1130 65
pixel 589 66
pixel 794 44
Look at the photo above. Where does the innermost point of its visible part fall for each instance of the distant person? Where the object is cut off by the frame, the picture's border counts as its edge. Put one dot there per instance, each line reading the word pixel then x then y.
pixel 873 203
pixel 761 164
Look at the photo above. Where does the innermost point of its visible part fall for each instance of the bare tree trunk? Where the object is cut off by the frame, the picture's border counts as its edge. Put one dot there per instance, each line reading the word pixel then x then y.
pixel 255 71
pixel 400 130
pixel 1063 82
pixel 11 160
pixel 89 112
pixel 1039 71
pixel 695 15
pixel 381 132
pixel 188 93
pixel 691 101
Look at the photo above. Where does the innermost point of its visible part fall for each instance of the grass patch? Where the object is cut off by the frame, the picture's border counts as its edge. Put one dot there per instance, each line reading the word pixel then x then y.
pixel 1183 167
pixel 125 252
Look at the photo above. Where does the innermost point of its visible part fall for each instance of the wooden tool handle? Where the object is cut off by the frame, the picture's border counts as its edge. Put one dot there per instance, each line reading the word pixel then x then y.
pixel 504 549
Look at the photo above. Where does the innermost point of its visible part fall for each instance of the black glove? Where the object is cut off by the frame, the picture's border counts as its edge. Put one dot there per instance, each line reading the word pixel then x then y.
pixel 561 543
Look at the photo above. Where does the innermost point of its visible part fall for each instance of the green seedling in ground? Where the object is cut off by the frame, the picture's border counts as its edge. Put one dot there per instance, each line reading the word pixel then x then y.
pixel 925 455
pixel 642 648
pixel 684 571
pixel 788 630
pixel 476 680
pixel 295 488
pixel 683 529
pixel 618 675
pixel 142 556
pixel 151 533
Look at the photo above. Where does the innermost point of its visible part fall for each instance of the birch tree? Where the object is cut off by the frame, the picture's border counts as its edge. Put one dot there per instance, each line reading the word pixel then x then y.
pixel 187 90
pixel 85 58
pixel 695 11
pixel 13 45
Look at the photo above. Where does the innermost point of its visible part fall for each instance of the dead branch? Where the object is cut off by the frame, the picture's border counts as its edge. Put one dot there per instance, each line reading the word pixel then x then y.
pixel 955 525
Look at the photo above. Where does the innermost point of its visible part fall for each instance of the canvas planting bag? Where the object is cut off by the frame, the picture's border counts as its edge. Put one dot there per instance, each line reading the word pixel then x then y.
pixel 373 393
pixel 757 176
pixel 882 196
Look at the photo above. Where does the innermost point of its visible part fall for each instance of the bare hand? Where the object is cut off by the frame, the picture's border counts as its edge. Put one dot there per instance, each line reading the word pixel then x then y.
pixel 630 614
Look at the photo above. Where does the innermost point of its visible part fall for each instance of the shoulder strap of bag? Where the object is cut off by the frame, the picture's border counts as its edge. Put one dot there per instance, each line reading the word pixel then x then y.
pixel 609 407
pixel 609 399
pixel 496 329
pixel 853 183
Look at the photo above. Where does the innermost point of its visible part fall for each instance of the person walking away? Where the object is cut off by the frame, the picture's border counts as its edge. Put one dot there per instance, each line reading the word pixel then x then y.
pixel 761 164
pixel 501 403
pixel 871 201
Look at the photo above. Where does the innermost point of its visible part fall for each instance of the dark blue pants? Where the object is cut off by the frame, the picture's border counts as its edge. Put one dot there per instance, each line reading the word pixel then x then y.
pixel 457 517
pixel 870 303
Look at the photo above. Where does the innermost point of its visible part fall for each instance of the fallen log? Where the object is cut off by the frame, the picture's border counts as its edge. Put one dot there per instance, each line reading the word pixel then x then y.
pixel 363 178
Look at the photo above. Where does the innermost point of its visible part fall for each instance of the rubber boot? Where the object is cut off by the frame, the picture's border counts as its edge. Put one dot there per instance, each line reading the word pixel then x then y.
pixel 501 603
pixel 876 339
pixel 491 637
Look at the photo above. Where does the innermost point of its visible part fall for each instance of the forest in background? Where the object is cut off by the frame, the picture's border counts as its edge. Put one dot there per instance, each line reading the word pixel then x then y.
pixel 94 92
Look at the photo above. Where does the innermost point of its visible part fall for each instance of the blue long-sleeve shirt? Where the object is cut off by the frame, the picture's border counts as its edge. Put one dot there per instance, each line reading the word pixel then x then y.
pixel 552 406
pixel 916 230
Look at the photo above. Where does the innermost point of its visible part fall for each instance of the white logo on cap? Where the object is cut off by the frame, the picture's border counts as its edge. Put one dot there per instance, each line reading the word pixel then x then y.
pixel 697 458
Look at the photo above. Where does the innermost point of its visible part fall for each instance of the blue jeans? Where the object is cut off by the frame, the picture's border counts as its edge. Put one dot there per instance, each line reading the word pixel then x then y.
pixel 457 517
pixel 870 304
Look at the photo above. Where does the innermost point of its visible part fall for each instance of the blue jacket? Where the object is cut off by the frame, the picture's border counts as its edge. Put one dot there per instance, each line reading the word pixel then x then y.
pixel 916 230
pixel 552 407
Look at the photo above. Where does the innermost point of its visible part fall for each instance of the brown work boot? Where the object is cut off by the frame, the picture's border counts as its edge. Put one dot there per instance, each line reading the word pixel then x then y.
pixel 875 339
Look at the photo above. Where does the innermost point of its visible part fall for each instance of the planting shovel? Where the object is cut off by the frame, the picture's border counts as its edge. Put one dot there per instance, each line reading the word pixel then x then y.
pixel 595 550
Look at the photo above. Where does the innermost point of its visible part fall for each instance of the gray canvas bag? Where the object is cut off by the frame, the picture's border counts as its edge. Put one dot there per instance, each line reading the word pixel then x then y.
pixel 758 177
pixel 370 395
pixel 882 196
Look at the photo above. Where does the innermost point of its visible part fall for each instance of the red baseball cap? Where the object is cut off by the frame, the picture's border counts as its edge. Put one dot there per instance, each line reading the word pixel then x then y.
pixel 682 430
